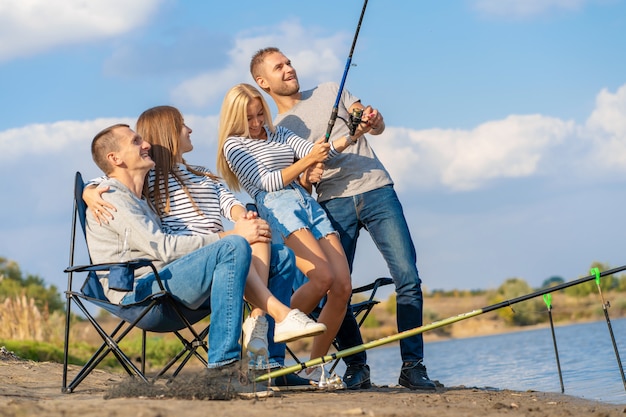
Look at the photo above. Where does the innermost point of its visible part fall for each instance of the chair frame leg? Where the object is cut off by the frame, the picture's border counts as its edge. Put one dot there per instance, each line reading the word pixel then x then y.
pixel 110 344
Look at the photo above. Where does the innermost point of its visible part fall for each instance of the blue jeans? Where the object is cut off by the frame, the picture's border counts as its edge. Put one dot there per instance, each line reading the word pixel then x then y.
pixel 213 276
pixel 281 275
pixel 380 213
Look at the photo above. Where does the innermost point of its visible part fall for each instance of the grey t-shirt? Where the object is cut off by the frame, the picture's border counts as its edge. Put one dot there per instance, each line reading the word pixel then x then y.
pixel 357 169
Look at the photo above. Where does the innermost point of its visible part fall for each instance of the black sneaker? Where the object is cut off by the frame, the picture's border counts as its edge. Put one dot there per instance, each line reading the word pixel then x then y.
pixel 413 376
pixel 357 377
pixel 292 382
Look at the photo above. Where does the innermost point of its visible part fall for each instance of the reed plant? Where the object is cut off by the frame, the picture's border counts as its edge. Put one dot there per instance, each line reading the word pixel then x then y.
pixel 35 334
pixel 21 319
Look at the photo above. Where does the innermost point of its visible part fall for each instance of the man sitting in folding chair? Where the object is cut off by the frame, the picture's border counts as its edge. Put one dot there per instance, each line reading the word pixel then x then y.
pixel 199 270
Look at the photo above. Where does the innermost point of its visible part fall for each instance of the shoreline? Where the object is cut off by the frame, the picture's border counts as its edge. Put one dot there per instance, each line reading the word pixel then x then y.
pixel 34 388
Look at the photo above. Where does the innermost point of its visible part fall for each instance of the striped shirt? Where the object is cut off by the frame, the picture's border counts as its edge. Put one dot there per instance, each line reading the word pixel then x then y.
pixel 258 163
pixel 211 197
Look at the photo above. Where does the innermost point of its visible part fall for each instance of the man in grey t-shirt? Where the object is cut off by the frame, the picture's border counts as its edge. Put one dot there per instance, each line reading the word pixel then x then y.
pixel 357 192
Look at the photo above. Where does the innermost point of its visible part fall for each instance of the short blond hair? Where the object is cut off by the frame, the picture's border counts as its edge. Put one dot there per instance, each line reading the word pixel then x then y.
pixel 258 58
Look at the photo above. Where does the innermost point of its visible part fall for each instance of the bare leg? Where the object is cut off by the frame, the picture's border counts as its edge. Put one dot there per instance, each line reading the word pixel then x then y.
pixel 325 264
pixel 256 292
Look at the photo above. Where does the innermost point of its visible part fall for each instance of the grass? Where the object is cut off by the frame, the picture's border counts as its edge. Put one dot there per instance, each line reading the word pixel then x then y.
pixel 35 335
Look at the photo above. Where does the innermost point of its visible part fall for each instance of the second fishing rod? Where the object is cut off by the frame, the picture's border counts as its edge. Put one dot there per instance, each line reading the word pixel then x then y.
pixel 435 325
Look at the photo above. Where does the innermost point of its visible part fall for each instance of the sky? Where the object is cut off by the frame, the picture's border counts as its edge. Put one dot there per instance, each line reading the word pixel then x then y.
pixel 506 119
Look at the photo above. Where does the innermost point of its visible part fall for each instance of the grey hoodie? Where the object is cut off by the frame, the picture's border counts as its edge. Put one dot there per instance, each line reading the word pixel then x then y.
pixel 136 219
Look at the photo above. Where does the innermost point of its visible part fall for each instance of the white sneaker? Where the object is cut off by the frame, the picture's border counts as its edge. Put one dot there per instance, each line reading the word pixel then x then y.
pixel 315 375
pixel 255 335
pixel 321 380
pixel 296 326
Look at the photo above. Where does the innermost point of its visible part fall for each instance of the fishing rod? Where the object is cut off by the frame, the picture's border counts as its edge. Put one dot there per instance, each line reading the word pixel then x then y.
pixel 334 113
pixel 547 298
pixel 435 325
pixel 605 305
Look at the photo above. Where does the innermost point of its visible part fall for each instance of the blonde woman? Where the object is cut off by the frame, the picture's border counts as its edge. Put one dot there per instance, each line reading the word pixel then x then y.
pixel 259 157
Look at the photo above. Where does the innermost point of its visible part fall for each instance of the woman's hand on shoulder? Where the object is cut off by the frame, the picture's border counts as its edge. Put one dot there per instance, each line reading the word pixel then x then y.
pixel 102 210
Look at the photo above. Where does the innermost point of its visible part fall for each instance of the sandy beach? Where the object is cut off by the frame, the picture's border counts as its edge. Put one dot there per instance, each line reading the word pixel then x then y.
pixel 34 388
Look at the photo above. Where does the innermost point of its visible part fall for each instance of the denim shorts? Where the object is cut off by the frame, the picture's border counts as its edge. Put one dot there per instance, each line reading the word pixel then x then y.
pixel 292 209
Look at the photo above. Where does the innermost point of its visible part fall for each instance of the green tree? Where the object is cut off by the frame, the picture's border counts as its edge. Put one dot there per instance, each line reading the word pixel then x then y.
pixel 14 284
pixel 524 313
pixel 552 282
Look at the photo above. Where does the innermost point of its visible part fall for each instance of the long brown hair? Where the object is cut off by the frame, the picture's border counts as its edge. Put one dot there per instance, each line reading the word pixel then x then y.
pixel 161 127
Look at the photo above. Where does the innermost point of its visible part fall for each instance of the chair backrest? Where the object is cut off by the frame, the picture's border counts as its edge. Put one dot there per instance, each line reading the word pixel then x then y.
pixel 78 215
pixel 79 203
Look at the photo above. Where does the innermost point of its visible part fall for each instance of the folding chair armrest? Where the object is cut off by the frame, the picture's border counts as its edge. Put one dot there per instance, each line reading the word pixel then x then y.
pixel 133 263
pixel 379 282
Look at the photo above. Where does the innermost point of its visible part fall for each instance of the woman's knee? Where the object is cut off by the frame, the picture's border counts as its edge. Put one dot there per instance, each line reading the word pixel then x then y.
pixel 322 278
pixel 342 287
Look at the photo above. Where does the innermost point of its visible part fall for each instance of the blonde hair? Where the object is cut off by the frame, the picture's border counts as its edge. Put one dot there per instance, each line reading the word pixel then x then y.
pixel 161 127
pixel 234 122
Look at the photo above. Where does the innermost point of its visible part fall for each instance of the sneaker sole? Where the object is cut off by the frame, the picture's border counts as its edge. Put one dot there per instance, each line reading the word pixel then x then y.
pixel 408 385
pixel 362 385
pixel 291 336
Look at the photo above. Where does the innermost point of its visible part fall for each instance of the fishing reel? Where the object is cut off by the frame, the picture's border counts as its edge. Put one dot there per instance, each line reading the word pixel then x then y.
pixel 354 120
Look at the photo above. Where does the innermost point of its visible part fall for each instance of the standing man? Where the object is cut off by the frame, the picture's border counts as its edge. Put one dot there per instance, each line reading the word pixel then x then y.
pixel 357 192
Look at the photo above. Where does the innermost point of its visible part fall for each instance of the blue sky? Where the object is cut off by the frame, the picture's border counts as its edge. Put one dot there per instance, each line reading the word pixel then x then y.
pixel 506 119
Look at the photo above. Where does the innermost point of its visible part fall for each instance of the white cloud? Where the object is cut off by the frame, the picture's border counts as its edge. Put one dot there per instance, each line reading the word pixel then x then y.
pixel 526 8
pixel 40 139
pixel 28 27
pixel 606 129
pixel 518 146
pixel 306 48
pixel 468 159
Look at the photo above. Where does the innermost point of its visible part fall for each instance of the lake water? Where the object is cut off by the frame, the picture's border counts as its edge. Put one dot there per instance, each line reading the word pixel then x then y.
pixel 521 361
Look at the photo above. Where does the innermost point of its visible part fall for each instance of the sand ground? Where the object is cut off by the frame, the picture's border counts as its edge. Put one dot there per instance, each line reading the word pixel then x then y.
pixel 34 388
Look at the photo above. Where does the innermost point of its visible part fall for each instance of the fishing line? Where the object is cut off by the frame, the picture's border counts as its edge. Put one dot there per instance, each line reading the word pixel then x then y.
pixel 335 111
pixel 435 325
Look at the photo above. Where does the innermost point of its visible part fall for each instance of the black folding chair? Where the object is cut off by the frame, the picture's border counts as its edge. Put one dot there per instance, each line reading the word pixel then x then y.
pixel 159 313
pixel 362 309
